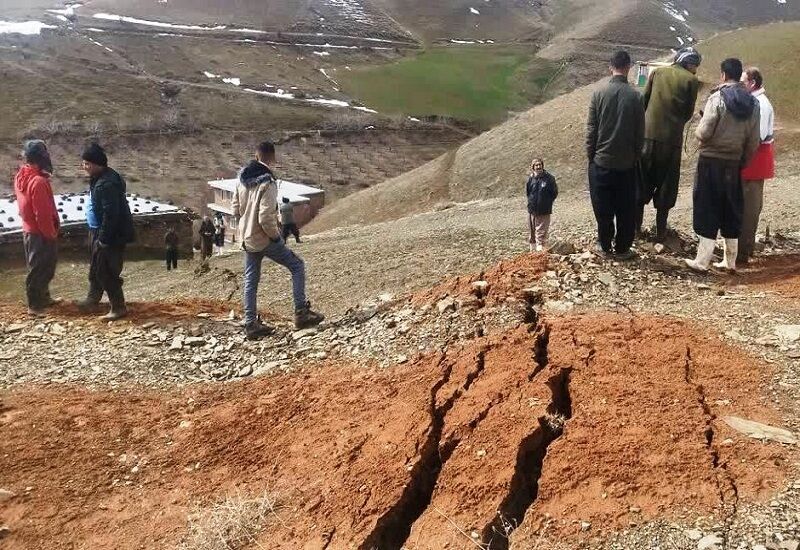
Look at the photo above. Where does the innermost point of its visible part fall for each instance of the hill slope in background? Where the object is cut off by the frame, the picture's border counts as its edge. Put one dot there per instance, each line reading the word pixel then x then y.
pixel 494 164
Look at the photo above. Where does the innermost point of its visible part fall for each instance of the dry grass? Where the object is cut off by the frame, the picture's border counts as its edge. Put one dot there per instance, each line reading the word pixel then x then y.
pixel 230 524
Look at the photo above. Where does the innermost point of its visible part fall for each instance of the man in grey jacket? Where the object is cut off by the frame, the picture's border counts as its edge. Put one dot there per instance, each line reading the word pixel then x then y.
pixel 614 140
pixel 255 205
pixel 729 137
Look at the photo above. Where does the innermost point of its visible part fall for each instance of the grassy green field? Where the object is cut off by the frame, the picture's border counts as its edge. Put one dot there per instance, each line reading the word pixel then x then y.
pixel 772 48
pixel 477 83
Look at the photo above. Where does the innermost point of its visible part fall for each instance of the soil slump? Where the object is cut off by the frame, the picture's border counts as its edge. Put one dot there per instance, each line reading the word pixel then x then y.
pixel 505 441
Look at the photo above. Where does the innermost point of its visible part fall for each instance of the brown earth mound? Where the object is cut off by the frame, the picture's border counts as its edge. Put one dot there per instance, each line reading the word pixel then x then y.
pixel 574 419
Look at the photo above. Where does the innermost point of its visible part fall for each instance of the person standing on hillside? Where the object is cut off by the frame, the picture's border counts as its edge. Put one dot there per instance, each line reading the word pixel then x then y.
pixel 760 168
pixel 219 233
pixel 207 231
pixel 729 137
pixel 171 244
pixel 255 209
pixel 40 224
pixel 669 101
pixel 541 191
pixel 288 225
pixel 614 141
pixel 115 231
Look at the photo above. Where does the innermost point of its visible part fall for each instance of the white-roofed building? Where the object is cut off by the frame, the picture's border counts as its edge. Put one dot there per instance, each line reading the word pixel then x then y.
pixel 150 217
pixel 307 201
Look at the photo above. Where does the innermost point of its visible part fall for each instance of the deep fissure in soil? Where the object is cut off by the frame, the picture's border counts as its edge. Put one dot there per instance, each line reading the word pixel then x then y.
pixel 524 487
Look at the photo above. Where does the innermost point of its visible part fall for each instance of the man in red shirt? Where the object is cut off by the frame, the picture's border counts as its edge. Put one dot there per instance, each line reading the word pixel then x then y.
pixel 40 224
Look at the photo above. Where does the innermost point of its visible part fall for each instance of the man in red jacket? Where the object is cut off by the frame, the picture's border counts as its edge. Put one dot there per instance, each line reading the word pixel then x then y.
pixel 40 224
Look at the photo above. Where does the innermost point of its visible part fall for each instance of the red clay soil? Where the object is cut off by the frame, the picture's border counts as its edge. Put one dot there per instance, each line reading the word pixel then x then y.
pixel 423 454
pixel 505 279
pixel 779 274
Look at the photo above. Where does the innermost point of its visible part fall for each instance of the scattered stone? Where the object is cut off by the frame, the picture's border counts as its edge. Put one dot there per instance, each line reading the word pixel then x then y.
pixel 606 278
pixel 400 359
pixel 245 371
pixel 767 340
pixel 635 510
pixel 177 343
pixel 659 248
pixel 148 325
pixel 694 534
pixel 790 545
pixel 386 297
pixel 481 288
pixel 585 526
pixel 5 530
pixel 534 294
pixel 709 542
pixel 194 341
pixel 6 495
pixel 15 327
pixel 446 305
pixel 562 248
pixel 788 333
pixel 305 333
pixel 756 430
pixel 184 424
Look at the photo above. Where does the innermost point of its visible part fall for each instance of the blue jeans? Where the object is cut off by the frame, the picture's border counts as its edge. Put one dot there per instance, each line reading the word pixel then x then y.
pixel 279 253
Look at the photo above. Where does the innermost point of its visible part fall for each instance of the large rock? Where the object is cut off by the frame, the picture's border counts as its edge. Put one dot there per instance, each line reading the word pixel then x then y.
pixel 756 430
pixel 788 333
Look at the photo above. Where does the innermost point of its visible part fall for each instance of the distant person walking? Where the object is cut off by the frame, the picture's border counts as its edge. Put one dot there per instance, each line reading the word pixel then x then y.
pixel 729 137
pixel 115 231
pixel 614 140
pixel 669 102
pixel 760 168
pixel 541 191
pixel 219 233
pixel 288 225
pixel 40 224
pixel 207 231
pixel 171 245
pixel 254 207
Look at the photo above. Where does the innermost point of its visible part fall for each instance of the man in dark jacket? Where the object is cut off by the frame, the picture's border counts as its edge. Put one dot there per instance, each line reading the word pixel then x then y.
pixel 614 140
pixel 115 231
pixel 669 101
pixel 541 190
pixel 40 224
pixel 171 244
pixel 729 135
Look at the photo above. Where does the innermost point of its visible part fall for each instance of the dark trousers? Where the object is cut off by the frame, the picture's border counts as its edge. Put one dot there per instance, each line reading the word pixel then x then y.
pixel 290 229
pixel 613 195
pixel 718 198
pixel 172 258
pixel 104 274
pixel 41 256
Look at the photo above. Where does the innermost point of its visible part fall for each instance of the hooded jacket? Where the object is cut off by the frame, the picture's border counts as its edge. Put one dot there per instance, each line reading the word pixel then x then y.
pixel 255 205
pixel 730 127
pixel 37 207
pixel 111 210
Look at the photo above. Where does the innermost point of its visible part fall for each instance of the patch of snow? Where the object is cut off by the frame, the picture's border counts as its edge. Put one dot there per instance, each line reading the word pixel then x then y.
pixel 28 28
pixel 322 54
pixel 414 119
pixel 210 75
pixel 234 81
pixel 96 43
pixel 159 24
pixel 673 12
pixel 283 94
pixel 351 9
pixel 95 29
pixel 474 11
pixel 680 40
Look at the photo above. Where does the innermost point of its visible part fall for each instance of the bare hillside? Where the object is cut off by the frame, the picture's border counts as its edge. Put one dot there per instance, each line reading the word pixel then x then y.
pixel 495 163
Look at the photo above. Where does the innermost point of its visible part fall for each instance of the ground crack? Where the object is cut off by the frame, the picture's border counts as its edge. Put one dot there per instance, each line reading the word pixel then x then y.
pixel 394 527
pixel 726 484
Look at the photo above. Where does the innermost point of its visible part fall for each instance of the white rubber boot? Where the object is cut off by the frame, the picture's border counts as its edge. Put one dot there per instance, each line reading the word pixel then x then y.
pixel 731 251
pixel 705 253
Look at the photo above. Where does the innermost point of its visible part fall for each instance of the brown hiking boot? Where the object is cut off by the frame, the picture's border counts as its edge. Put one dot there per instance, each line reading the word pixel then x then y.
pixel 257 330
pixel 305 317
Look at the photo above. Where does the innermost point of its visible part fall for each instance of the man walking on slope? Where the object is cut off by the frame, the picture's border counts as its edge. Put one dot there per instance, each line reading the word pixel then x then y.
pixel 40 224
pixel 255 205
pixel 761 167
pixel 729 137
pixel 115 231
pixel 614 139
pixel 669 101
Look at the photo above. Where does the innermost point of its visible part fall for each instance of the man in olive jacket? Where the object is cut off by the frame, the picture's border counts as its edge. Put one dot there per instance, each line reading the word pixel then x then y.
pixel 614 139
pixel 115 231
pixel 669 101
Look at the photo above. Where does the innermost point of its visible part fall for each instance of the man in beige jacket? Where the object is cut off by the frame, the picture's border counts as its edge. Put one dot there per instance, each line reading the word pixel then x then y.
pixel 255 207
pixel 729 137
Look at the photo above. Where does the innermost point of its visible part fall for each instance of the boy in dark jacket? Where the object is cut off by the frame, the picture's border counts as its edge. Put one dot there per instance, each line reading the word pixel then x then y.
pixel 171 244
pixel 541 190
pixel 115 231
